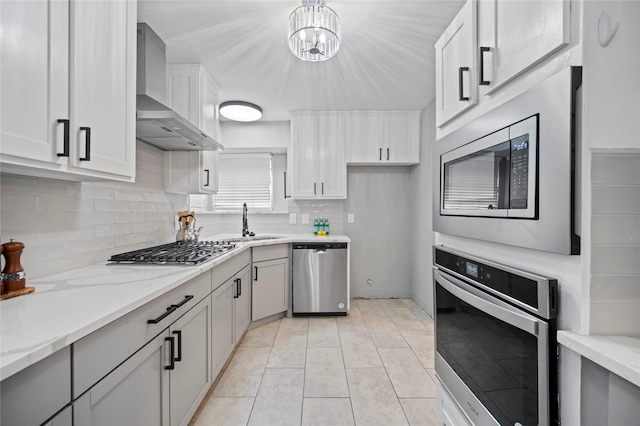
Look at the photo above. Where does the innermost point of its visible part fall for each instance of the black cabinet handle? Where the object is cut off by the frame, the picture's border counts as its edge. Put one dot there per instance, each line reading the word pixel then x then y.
pixel 380 154
pixel 387 154
pixel 322 188
pixel 460 85
pixel 172 360
pixel 483 82
pixel 255 277
pixel 235 293
pixel 239 284
pixel 314 188
pixel 166 313
pixel 87 144
pixel 185 300
pixel 65 149
pixel 207 172
pixel 179 334
pixel 285 186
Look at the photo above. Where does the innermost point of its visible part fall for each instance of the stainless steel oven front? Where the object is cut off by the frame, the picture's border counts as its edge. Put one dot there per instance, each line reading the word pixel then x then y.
pixel 496 352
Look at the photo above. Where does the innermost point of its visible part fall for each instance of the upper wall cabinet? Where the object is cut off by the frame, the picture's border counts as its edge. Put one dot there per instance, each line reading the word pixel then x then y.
pixel 504 38
pixel 192 93
pixel 385 137
pixel 456 69
pixel 317 156
pixel 60 118
pixel 513 36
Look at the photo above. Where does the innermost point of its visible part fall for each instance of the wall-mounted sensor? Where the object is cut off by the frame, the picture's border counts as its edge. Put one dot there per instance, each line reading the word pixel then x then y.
pixel 606 30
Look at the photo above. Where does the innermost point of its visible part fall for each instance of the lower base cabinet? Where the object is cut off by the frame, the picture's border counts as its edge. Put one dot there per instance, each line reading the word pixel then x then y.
pixel 270 285
pixel 231 303
pixel 161 384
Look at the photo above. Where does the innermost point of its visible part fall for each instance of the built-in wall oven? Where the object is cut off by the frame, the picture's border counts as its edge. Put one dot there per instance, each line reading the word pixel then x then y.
pixel 509 176
pixel 496 351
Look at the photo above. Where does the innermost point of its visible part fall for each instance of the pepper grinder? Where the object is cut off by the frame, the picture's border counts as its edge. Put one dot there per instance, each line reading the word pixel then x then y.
pixel 13 273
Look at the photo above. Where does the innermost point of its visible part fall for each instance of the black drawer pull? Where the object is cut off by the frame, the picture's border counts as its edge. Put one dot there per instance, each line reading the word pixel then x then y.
pixel 387 154
pixel 483 82
pixel 179 334
pixel 65 149
pixel 185 300
pixel 239 287
pixel 255 278
pixel 235 291
pixel 166 313
pixel 207 172
pixel 172 361
pixel 87 144
pixel 380 154
pixel 460 85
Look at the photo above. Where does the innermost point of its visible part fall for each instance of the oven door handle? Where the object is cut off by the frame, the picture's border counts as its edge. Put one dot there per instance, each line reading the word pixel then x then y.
pixel 487 304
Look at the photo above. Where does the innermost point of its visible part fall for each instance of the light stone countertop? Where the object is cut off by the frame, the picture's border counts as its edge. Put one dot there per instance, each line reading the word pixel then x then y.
pixel 68 306
pixel 618 354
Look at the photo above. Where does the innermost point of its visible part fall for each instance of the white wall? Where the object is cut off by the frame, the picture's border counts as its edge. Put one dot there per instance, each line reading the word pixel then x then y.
pixel 422 236
pixel 381 200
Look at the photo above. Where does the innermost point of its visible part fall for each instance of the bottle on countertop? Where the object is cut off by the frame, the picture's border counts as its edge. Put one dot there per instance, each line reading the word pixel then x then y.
pixel 326 225
pixel 316 226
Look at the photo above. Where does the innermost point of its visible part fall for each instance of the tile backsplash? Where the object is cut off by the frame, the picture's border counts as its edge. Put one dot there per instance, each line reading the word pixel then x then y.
pixel 615 242
pixel 67 225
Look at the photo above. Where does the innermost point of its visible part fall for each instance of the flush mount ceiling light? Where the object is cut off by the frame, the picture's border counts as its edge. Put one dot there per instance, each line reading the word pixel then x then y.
pixel 240 111
pixel 314 31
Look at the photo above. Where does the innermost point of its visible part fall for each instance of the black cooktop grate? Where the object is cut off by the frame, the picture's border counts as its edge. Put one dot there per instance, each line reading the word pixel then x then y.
pixel 178 253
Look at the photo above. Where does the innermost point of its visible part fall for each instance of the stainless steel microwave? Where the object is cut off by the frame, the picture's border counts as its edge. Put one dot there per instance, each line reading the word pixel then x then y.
pixel 510 176
pixel 493 176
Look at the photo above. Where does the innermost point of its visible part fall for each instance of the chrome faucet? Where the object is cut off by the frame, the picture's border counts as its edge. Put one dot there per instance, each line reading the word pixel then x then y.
pixel 245 222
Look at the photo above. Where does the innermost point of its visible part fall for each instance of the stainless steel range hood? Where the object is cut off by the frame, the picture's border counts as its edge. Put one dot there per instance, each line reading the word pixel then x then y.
pixel 156 123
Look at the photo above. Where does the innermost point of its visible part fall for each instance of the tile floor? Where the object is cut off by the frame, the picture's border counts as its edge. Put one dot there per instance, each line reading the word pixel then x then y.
pixel 372 367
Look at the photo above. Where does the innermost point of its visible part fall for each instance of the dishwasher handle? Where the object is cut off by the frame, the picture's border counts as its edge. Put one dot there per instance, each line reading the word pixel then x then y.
pixel 319 246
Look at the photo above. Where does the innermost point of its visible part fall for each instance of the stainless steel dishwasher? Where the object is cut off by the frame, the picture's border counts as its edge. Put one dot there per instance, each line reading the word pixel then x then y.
pixel 320 278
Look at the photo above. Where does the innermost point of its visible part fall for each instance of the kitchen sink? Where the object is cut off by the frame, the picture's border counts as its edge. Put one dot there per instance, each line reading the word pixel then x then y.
pixel 253 238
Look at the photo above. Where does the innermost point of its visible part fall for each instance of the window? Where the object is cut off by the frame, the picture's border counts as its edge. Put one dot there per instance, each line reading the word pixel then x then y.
pixel 244 178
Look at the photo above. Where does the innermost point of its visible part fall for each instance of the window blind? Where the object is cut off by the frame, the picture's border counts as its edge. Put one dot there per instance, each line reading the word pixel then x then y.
pixel 244 178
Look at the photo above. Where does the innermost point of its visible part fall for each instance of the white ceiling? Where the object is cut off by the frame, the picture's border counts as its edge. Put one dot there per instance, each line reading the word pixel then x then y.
pixel 385 62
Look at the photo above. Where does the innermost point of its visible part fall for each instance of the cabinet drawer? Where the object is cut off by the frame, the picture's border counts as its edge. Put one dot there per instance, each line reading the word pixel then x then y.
pixel 277 251
pixel 36 393
pixel 229 268
pixel 100 352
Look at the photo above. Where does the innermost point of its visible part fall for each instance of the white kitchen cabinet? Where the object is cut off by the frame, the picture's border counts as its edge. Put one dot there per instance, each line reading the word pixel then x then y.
pixel 513 36
pixel 491 42
pixel 192 377
pixel 191 172
pixel 317 156
pixel 135 393
pixel 231 302
pixel 270 281
pixel 192 93
pixel 27 396
pixel 150 366
pixel 384 137
pixel 60 119
pixel 456 70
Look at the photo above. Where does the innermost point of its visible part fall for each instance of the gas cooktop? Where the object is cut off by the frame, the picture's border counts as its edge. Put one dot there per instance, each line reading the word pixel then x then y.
pixel 178 253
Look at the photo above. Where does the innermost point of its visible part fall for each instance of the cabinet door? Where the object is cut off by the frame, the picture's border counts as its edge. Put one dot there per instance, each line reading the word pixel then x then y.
pixel 400 133
pixel 517 35
pixel 362 138
pixel 223 339
pixel 243 302
pixel 456 65
pixel 103 85
pixel 34 76
pixel 302 157
pixel 135 393
pixel 331 166
pixel 191 378
pixel 270 288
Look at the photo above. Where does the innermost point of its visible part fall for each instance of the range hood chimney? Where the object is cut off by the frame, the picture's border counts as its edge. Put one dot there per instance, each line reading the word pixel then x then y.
pixel 156 123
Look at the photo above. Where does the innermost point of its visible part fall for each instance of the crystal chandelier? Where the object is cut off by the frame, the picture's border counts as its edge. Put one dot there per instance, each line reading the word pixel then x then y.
pixel 314 31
